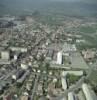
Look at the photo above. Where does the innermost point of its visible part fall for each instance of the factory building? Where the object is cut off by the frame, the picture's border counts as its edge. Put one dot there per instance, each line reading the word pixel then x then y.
pixel 59 57
pixel 87 92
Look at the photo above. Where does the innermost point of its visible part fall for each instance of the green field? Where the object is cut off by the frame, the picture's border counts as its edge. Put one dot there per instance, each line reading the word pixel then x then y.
pixel 89 35
pixel 93 77
pixel 87 29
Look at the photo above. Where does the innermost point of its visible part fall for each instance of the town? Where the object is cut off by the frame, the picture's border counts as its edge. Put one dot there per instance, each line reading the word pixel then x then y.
pixel 39 61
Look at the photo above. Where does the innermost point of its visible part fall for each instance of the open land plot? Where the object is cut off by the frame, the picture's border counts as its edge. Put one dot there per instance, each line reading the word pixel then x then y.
pixel 77 61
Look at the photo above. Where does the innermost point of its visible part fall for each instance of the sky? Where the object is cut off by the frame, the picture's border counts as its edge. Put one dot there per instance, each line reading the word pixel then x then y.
pixel 66 0
pixel 74 6
pixel 84 1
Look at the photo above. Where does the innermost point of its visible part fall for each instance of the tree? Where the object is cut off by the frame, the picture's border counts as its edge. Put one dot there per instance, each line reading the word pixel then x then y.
pixel 72 78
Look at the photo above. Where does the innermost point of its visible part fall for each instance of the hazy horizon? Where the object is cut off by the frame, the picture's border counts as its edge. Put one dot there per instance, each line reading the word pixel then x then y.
pixel 67 7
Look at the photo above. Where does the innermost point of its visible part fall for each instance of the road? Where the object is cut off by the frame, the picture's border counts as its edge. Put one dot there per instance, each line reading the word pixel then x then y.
pixel 35 87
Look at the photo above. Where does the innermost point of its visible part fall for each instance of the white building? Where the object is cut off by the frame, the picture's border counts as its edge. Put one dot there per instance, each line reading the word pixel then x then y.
pixel 15 57
pixel 59 57
pixel 71 96
pixel 24 66
pixel 76 73
pixel 18 49
pixel 69 48
pixel 5 55
pixel 87 92
pixel 64 83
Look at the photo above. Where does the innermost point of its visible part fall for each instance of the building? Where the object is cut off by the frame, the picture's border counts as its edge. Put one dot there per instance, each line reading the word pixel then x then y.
pixel 15 57
pixel 69 48
pixel 24 97
pixel 21 49
pixel 76 73
pixel 88 92
pixel 50 54
pixel 18 74
pixel 64 83
pixel 88 54
pixel 23 77
pixel 24 66
pixel 71 96
pixel 8 97
pixel 59 57
pixel 5 55
pixel 40 90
